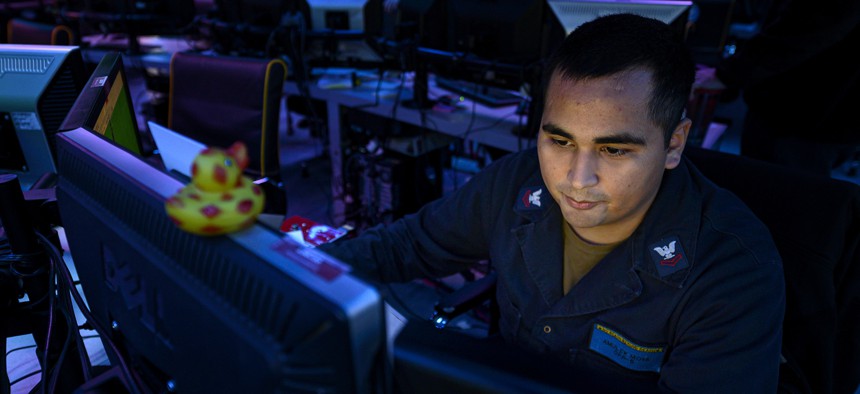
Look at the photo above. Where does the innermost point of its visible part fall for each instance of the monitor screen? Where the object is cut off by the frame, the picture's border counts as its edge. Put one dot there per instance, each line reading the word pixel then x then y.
pixel 105 106
pixel 39 84
pixel 248 312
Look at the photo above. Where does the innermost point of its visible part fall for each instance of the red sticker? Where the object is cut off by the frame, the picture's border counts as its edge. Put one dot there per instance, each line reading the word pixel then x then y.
pixel 317 263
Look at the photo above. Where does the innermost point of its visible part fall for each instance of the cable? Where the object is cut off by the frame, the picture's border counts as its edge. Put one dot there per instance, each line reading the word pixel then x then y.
pixel 58 366
pixel 49 376
pixel 302 74
pixel 477 85
pixel 72 328
pixel 15 258
pixel 19 348
pixel 131 378
pixel 71 331
pixel 376 100
pixel 16 381
pixel 51 290
pixel 32 258
pixel 85 360
pixel 398 95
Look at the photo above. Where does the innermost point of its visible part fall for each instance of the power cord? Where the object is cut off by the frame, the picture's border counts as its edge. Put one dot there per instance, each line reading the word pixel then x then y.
pixel 64 274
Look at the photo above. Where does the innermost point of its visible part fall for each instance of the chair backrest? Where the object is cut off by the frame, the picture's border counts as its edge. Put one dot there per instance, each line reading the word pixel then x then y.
pixel 219 100
pixel 22 31
pixel 815 223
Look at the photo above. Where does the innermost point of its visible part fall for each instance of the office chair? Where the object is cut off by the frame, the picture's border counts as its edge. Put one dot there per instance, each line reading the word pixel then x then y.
pixel 22 31
pixel 219 100
pixel 815 224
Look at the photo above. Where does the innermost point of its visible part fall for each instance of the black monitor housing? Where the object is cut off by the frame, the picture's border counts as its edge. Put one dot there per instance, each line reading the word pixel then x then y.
pixel 245 312
pixel 39 85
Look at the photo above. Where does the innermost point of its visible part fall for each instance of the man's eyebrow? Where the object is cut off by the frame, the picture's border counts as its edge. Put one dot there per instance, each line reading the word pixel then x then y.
pixel 553 129
pixel 622 138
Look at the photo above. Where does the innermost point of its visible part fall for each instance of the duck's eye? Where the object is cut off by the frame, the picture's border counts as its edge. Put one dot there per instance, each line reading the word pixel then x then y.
pixel 228 163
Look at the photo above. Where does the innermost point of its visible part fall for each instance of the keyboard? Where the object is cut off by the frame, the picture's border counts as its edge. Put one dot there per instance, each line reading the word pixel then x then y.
pixel 486 95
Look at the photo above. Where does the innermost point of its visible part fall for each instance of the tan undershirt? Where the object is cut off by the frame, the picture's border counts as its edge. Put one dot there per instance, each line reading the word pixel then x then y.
pixel 580 257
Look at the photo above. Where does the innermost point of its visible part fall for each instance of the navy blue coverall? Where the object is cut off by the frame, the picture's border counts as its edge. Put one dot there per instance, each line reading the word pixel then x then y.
pixel 693 301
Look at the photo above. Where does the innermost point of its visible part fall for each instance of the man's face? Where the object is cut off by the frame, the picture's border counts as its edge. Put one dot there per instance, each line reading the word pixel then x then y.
pixel 601 156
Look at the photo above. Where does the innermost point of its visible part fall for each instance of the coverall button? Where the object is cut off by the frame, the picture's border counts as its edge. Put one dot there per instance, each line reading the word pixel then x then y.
pixel 547 329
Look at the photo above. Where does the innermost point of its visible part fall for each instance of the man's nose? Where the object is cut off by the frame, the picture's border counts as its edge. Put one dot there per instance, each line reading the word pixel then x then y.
pixel 583 170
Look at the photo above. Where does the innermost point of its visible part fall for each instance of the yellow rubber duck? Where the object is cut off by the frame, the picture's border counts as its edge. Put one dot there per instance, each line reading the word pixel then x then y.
pixel 219 198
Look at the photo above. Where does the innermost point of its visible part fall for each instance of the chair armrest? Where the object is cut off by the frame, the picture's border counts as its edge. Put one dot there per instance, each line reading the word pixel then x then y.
pixel 464 299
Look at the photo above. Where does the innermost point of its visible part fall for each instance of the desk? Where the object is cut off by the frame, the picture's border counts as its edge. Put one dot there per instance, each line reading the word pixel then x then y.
pixel 491 126
pixel 156 57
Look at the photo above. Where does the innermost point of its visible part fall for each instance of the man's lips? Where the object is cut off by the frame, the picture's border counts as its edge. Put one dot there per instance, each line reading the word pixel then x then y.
pixel 583 205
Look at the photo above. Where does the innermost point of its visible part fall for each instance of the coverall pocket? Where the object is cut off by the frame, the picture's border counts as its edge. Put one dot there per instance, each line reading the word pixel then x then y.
pixel 601 367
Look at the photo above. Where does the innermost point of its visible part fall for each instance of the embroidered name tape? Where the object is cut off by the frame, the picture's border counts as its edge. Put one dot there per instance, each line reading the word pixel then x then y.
pixel 530 198
pixel 668 256
pixel 623 352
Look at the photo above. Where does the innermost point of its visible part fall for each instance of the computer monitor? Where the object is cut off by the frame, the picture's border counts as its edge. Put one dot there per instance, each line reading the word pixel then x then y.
pixel 337 14
pixel 39 84
pixel 148 16
pixel 262 14
pixel 343 32
pixel 105 105
pixel 492 50
pixel 248 312
pixel 514 32
pixel 251 27
pixel 572 13
pixel 491 42
pixel 134 18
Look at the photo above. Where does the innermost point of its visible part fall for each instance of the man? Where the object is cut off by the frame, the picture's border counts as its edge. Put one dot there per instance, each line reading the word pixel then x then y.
pixel 613 252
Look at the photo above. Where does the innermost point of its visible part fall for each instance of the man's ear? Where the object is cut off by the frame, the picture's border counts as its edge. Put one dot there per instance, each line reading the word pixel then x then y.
pixel 677 143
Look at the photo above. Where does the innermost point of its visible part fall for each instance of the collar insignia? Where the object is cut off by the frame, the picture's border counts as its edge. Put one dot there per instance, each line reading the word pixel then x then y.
pixel 529 198
pixel 668 256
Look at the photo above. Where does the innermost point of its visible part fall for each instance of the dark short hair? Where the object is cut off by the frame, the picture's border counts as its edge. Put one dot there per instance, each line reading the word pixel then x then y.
pixel 615 43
